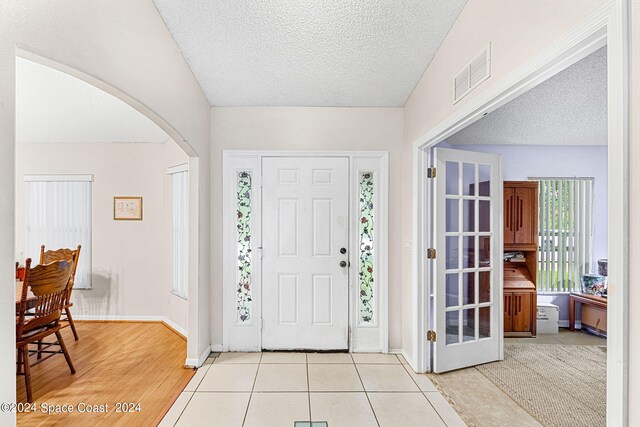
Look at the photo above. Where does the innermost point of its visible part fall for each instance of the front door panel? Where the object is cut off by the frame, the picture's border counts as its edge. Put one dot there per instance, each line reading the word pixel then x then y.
pixel 305 225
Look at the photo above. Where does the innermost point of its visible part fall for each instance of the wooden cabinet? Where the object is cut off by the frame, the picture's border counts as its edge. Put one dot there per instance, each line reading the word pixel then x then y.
pixel 520 215
pixel 520 234
pixel 520 301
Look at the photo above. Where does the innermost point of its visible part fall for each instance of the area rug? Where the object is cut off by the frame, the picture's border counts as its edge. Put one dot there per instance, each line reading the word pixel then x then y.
pixel 559 385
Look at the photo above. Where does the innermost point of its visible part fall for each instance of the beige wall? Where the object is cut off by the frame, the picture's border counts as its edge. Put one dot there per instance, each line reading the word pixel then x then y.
pixel 290 128
pixel 517 30
pixel 131 260
pixel 634 214
pixel 123 46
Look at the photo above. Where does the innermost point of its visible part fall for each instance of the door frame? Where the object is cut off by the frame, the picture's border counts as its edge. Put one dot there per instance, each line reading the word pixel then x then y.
pixel 248 336
pixel 607 26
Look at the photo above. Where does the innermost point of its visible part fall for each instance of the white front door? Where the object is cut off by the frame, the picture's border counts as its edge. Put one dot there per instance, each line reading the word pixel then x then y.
pixel 305 288
pixel 468 264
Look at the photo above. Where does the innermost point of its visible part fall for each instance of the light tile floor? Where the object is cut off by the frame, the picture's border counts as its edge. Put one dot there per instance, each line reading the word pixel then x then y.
pixel 277 389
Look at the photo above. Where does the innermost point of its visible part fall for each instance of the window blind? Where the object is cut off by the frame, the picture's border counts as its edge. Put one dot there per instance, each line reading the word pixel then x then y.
pixel 180 221
pixel 59 216
pixel 565 223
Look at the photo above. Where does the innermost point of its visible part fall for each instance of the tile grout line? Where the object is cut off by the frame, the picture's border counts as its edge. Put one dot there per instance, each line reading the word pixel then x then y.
pixel 193 393
pixel 422 391
pixel 306 358
pixel 365 390
pixel 252 388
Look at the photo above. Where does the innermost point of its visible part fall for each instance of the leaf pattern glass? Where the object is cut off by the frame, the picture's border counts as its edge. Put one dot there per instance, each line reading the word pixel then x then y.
pixel 243 296
pixel 366 229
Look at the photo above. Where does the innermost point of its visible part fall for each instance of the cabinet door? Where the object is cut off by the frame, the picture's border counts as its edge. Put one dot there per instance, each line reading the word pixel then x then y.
pixel 525 216
pixel 509 226
pixel 508 319
pixel 521 312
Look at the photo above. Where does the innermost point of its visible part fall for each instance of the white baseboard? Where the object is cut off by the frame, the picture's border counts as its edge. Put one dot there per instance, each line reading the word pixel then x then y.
pixel 196 363
pixel 217 348
pixel 107 317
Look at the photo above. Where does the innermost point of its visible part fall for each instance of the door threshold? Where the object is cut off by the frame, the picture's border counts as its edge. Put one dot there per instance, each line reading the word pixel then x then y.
pixel 302 350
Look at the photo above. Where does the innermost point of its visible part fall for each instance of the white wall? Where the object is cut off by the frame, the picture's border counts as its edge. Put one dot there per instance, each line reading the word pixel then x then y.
pixel 634 214
pixel 292 128
pixel 124 47
pixel 131 260
pixel 517 31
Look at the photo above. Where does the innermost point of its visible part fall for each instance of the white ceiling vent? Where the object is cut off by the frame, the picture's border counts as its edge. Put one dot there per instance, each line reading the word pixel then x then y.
pixel 472 74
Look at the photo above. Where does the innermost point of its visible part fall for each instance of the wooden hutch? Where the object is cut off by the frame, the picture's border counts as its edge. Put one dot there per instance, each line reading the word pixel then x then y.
pixel 520 235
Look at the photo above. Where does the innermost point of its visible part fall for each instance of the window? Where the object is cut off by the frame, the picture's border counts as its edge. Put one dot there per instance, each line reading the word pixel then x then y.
pixel 180 230
pixel 244 298
pixel 59 216
pixel 366 261
pixel 565 223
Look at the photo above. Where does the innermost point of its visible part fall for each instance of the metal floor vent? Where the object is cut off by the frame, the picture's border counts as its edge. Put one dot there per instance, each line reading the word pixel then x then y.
pixel 472 74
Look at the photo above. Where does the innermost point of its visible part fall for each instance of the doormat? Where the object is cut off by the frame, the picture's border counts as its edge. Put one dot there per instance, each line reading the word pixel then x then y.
pixel 559 385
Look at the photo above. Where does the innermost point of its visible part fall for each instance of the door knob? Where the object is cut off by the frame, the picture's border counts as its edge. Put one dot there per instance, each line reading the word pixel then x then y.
pixel 343 251
pixel 343 264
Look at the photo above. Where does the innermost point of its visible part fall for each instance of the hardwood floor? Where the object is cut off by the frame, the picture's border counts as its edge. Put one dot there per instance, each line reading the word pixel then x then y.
pixel 116 362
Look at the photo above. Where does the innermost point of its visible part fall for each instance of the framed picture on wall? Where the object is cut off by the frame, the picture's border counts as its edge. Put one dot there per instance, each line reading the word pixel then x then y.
pixel 127 208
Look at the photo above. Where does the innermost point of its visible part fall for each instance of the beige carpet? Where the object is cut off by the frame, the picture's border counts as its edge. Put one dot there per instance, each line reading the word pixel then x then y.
pixel 559 385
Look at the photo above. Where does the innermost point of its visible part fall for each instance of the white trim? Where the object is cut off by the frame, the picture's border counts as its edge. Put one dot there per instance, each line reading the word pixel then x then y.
pixel 182 297
pixel 608 25
pixel 196 363
pixel 618 211
pixel 241 337
pixel 184 167
pixel 58 178
pixel 421 269
pixel 111 317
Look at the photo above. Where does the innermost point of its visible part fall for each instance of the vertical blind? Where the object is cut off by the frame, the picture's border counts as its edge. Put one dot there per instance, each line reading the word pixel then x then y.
pixel 565 224
pixel 180 221
pixel 59 216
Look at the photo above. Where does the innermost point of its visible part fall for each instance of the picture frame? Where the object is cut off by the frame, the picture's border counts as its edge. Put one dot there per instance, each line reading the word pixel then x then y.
pixel 127 208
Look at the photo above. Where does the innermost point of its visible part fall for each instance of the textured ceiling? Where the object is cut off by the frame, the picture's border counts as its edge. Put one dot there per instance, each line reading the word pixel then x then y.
pixel 570 108
pixel 309 52
pixel 52 106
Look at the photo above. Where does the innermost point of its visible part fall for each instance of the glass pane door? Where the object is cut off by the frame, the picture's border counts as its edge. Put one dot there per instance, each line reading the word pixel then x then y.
pixel 468 235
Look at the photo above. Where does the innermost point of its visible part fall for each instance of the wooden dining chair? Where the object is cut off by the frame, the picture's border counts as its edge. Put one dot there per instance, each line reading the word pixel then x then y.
pixel 69 255
pixel 48 284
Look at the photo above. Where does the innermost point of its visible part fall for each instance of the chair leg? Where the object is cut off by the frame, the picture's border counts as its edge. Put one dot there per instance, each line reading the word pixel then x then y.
pixel 73 326
pixel 19 362
pixel 66 353
pixel 27 373
pixel 39 356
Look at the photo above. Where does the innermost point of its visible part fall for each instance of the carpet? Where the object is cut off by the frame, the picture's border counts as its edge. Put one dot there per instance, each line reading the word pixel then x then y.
pixel 559 385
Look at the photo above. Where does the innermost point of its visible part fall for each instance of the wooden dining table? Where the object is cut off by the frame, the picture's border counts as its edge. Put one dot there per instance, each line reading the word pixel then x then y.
pixel 31 299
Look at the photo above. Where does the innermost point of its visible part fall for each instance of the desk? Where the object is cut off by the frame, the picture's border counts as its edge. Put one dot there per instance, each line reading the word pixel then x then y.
pixel 594 310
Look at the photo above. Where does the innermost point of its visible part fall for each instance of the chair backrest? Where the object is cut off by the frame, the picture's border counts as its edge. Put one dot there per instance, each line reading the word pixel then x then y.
pixel 48 283
pixel 70 255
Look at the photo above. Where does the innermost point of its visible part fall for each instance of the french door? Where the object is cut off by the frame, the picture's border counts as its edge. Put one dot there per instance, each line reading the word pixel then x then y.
pixel 467 269
pixel 305 286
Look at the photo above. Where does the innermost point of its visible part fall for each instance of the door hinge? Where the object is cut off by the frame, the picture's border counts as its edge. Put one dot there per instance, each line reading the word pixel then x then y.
pixel 431 336
pixel 261 323
pixel 431 172
pixel 431 253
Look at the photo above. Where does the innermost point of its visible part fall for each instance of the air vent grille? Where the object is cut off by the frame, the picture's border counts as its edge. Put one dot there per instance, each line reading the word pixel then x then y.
pixel 472 74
